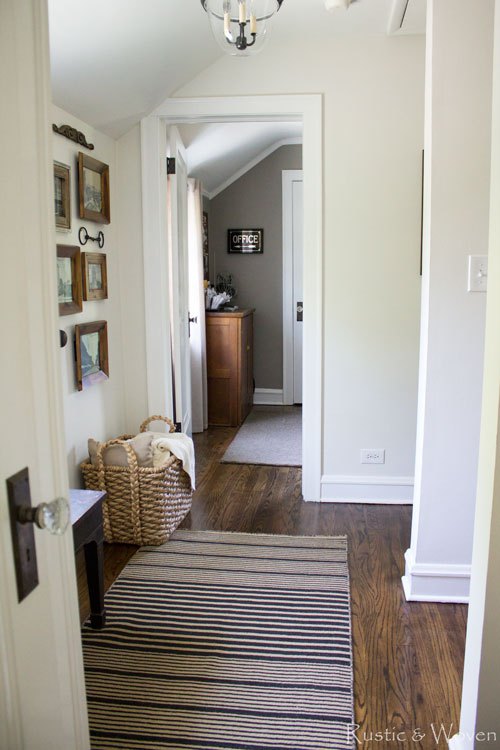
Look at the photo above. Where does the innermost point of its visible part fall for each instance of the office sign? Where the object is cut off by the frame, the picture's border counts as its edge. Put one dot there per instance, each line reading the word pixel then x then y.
pixel 245 240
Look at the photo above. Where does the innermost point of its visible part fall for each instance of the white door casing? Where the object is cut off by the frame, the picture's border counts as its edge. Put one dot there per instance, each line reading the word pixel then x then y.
pixel 177 222
pixel 42 692
pixel 307 108
pixel 293 263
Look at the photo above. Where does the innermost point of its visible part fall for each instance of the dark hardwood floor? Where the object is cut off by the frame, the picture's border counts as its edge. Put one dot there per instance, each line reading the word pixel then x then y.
pixel 408 657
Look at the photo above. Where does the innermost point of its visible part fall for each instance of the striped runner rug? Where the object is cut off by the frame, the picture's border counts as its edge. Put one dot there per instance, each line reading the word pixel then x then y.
pixel 218 641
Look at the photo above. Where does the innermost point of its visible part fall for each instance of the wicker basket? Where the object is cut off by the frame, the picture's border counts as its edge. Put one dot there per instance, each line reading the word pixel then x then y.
pixel 143 505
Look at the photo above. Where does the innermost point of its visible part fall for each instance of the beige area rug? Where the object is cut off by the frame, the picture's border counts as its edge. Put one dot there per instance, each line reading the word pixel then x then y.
pixel 268 436
pixel 221 641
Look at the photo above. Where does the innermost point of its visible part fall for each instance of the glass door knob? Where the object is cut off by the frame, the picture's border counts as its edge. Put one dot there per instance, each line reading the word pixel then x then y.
pixel 52 516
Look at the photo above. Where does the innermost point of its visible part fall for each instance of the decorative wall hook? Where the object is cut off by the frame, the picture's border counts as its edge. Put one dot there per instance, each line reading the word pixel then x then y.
pixel 84 236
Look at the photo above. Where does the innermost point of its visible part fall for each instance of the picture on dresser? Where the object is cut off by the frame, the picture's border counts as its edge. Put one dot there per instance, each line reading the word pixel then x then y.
pixel 69 279
pixel 91 344
pixel 93 189
pixel 94 276
pixel 62 196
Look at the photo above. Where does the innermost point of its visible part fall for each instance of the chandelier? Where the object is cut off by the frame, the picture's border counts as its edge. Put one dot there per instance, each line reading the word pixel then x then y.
pixel 240 27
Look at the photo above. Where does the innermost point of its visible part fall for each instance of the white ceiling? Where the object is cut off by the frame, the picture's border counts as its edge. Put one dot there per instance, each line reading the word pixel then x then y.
pixel 219 153
pixel 115 60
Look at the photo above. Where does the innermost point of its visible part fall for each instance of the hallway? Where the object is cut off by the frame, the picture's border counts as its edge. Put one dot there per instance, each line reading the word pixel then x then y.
pixel 408 657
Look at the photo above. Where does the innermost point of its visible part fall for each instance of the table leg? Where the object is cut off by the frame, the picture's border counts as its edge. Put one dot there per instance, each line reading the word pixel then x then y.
pixel 95 581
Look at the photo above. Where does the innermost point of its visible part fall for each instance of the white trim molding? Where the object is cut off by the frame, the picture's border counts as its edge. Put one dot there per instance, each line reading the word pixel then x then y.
pixel 305 108
pixel 457 743
pixel 435 582
pixel 272 396
pixel 381 490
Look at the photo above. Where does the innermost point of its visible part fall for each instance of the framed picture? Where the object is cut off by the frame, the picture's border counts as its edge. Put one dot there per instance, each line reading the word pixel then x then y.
pixel 62 196
pixel 206 263
pixel 245 241
pixel 69 279
pixel 93 189
pixel 91 343
pixel 94 276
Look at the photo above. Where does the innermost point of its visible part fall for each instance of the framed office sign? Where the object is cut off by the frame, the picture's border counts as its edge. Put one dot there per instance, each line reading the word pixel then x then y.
pixel 245 241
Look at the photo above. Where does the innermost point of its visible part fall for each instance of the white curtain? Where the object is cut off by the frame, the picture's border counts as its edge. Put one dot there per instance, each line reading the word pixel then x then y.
pixel 197 340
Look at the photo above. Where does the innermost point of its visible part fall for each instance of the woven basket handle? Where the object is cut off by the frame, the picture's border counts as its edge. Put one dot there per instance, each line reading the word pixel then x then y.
pixel 144 426
pixel 134 481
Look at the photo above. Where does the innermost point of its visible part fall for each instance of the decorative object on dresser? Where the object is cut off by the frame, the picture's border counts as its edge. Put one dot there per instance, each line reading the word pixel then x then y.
pixel 69 279
pixel 229 366
pixel 62 196
pixel 93 189
pixel 84 237
pixel 145 503
pixel 94 276
pixel 246 241
pixel 91 343
pixel 73 134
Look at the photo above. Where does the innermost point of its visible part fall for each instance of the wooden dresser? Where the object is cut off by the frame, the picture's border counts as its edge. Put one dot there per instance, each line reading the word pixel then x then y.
pixel 229 366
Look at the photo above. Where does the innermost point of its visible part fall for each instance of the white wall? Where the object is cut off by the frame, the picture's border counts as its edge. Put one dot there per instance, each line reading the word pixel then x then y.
pixel 98 411
pixel 457 168
pixel 373 138
pixel 481 683
pixel 129 243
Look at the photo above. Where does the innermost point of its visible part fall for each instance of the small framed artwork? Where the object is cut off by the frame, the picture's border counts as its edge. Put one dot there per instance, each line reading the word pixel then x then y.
pixel 93 189
pixel 94 276
pixel 245 241
pixel 69 279
pixel 62 196
pixel 91 343
pixel 206 264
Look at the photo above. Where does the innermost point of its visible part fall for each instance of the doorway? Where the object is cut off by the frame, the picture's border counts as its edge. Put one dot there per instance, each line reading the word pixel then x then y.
pixel 308 110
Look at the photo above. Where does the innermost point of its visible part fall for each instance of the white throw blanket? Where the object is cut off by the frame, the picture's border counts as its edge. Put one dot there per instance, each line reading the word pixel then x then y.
pixel 180 445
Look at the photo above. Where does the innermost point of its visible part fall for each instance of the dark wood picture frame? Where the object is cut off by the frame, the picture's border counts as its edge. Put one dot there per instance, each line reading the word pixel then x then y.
pixel 86 376
pixel 71 252
pixel 88 163
pixel 239 241
pixel 62 196
pixel 90 292
pixel 206 257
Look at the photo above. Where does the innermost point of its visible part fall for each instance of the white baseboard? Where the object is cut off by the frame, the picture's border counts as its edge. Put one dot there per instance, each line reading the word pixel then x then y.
pixel 360 489
pixel 271 396
pixel 434 582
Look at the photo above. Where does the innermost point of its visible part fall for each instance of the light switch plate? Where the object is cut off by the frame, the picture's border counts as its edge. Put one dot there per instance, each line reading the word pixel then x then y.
pixel 478 273
pixel 23 536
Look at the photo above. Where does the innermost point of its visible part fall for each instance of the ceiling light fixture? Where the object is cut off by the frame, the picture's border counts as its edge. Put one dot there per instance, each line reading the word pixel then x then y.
pixel 240 27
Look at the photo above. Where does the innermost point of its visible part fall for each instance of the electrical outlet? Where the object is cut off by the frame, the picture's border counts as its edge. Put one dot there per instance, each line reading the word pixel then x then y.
pixel 373 455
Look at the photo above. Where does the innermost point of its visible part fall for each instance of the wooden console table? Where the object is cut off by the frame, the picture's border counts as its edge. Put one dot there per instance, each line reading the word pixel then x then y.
pixel 86 519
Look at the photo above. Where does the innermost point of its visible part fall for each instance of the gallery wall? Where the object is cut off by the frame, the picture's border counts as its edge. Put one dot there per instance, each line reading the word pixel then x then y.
pixel 97 411
pixel 255 201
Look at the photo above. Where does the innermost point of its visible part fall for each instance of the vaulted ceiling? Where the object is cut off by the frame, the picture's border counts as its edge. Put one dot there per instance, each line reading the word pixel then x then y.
pixel 113 61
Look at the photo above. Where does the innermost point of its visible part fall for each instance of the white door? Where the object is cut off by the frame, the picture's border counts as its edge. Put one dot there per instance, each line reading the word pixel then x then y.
pixel 42 694
pixel 179 286
pixel 293 309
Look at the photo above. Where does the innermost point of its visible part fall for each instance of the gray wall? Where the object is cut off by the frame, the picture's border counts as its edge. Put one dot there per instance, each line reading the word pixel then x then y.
pixel 252 202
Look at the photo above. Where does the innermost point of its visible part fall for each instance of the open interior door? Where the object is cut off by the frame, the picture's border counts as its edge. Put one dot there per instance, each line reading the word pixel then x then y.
pixel 42 692
pixel 177 217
